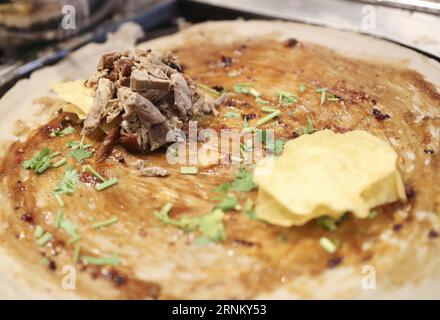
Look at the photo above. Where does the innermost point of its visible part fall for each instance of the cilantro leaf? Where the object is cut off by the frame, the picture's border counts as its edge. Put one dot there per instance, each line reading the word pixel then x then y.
pixel 40 162
pixel 79 151
pixel 210 225
pixel 227 204
pixel 286 98
pixel 243 181
pixel 277 147
pixel 62 132
pixel 80 154
pixel 68 182
pixel 223 188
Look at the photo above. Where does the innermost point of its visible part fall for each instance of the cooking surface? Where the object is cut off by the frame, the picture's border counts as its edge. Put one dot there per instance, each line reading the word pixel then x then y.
pixel 161 261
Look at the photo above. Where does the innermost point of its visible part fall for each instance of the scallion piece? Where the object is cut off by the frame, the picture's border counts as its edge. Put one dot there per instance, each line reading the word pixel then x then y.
pixel 44 168
pixel 73 240
pixel 55 154
pixel 328 245
pixel 112 260
pixel 268 109
pixel 76 253
pixel 93 171
pixel 38 232
pixel 58 219
pixel 189 170
pixel 59 200
pixel 59 163
pixel 107 184
pixel 45 238
pixel 267 118
pixel 208 89
pixel 106 223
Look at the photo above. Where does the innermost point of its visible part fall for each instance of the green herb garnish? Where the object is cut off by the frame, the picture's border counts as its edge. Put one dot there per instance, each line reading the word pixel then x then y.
pixel 231 114
pixel 227 204
pixel 189 170
pixel 329 245
pixel 39 231
pixel 277 147
pixel 44 239
pixel 243 88
pixel 268 109
pixel 243 181
pixel 208 89
pixel 68 182
pixel 309 129
pixel 40 161
pixel 93 171
pixel 60 163
pixel 76 253
pixel 249 209
pixel 80 151
pixel 112 260
pixel 328 223
pixel 107 184
pixel 63 132
pixel 210 225
pixel 372 214
pixel 261 101
pixel 286 98
pixel 105 223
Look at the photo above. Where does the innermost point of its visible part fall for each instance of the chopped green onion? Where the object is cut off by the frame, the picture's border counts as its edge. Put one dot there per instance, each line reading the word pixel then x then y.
pixel 231 114
pixel 107 184
pixel 43 168
pixel 106 223
pixel 254 92
pixel 59 199
pixel 242 87
pixel 93 171
pixel 268 109
pixel 372 214
pixel 59 219
pixel 309 129
pixel 261 101
pixel 189 170
pixel 302 87
pixel 166 209
pixel 76 253
pixel 73 240
pixel 59 163
pixel 69 227
pixel 55 154
pixel 286 98
pixel 44 261
pixel 328 223
pixel 208 89
pixel 44 239
pixel 39 231
pixel 328 245
pixel 112 260
pixel 267 118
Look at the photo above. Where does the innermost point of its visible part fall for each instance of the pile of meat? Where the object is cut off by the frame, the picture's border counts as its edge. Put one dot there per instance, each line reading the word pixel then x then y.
pixel 142 98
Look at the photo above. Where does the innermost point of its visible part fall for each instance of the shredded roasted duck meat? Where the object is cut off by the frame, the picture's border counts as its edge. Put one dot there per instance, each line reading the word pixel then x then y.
pixel 145 95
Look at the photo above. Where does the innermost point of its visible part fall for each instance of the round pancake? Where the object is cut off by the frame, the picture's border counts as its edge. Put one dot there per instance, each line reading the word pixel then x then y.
pixel 257 260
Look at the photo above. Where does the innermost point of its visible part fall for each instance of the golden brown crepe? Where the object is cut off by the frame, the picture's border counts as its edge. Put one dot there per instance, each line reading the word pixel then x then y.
pixel 257 259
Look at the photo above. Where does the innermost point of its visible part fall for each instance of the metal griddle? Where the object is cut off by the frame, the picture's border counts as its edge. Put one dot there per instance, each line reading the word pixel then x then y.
pixel 411 23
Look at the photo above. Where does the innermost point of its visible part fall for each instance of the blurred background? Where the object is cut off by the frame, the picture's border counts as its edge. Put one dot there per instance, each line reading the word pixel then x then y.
pixel 34 33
